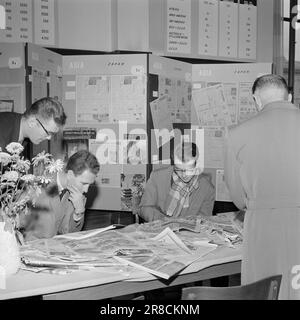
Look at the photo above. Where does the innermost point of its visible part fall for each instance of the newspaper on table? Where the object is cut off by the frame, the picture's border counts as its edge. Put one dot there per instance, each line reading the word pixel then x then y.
pixel 164 265
pixel 164 255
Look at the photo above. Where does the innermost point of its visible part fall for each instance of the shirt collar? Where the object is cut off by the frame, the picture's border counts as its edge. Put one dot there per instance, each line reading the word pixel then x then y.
pixel 279 105
pixel 59 185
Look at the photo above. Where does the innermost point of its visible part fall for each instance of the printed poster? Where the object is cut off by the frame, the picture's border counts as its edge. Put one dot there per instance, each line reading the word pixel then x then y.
pixel 228 28
pixel 211 106
pixel 12 98
pixel 214 141
pixel 128 99
pixel 179 26
pixel 132 186
pixel 208 27
pixel 222 192
pixel 92 99
pixel 44 22
pixel 247 108
pixel 38 84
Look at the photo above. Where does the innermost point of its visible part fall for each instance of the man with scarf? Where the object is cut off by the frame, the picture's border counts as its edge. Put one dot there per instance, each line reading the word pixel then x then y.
pixel 178 191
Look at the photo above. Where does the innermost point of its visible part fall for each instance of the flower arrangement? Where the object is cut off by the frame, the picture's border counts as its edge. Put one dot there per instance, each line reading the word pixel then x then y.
pixel 18 188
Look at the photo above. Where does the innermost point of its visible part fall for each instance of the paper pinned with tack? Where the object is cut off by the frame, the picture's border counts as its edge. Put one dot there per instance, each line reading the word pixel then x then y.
pixel 2 278
pixel 14 62
pixel 70 95
pixel 71 83
pixel 137 70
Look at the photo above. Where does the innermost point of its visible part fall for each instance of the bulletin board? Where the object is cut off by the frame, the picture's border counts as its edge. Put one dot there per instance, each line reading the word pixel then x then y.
pixel 108 93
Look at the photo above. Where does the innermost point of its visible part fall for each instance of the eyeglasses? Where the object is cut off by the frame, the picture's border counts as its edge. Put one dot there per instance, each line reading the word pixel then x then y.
pixel 185 171
pixel 46 131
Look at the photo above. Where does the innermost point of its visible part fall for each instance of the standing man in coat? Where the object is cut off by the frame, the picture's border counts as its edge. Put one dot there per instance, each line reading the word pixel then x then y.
pixel 262 171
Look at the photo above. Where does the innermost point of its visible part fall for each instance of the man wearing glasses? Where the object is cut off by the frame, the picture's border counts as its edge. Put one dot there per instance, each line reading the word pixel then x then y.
pixel 178 191
pixel 40 122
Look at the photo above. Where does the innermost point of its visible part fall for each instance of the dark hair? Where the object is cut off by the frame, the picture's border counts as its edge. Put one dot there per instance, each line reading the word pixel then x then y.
pixel 83 160
pixel 48 108
pixel 271 80
pixel 186 151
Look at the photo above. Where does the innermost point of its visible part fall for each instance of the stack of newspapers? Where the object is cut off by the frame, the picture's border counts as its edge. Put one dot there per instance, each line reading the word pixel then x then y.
pixel 163 255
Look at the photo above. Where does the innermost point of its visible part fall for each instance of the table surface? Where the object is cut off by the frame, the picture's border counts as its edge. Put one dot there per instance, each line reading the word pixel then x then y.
pixel 111 282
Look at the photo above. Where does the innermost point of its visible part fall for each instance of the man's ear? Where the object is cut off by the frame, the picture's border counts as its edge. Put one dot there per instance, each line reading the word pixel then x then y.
pixel 31 122
pixel 290 97
pixel 70 174
pixel 257 102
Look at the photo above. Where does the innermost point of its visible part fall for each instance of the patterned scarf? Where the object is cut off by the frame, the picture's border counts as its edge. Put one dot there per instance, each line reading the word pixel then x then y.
pixel 180 191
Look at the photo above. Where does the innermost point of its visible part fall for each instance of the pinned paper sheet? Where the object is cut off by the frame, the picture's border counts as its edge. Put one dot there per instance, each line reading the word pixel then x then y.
pixel 15 63
pixel 2 278
pixel 222 192
pixel 70 95
pixel 71 83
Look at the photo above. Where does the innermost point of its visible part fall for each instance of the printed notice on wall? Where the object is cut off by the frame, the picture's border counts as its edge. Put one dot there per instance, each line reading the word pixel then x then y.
pixel 208 27
pixel 248 29
pixel 44 22
pixel 92 98
pixel 18 21
pixel 247 108
pixel 228 26
pixel 211 106
pixel 23 21
pixel 8 35
pixel 222 192
pixel 128 98
pixel 214 147
pixel 179 26
pixel 12 98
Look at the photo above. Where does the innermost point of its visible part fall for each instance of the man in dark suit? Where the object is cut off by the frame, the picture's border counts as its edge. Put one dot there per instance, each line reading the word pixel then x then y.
pixel 38 123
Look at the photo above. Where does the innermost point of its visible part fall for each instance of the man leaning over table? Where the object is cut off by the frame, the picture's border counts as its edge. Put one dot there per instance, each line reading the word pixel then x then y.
pixel 61 207
pixel 178 191
pixel 40 122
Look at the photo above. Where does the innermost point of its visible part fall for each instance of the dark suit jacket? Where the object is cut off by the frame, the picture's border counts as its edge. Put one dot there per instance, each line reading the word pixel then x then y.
pixel 10 130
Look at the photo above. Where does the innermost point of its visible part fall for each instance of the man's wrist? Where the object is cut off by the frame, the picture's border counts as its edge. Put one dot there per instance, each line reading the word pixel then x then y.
pixel 78 215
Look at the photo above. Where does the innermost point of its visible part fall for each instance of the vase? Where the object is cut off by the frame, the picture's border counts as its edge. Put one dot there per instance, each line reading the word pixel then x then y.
pixel 9 250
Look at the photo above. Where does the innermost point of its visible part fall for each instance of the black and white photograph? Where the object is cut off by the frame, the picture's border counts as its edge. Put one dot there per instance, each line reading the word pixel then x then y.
pixel 149 154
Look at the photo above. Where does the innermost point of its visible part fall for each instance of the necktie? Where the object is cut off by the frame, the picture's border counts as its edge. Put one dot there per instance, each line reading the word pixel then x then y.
pixel 61 195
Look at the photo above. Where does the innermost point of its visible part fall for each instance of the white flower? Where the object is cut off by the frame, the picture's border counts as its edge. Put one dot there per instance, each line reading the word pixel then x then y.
pixel 41 157
pixel 5 158
pixel 28 177
pixel 22 165
pixel 14 148
pixel 44 180
pixel 10 176
pixel 55 166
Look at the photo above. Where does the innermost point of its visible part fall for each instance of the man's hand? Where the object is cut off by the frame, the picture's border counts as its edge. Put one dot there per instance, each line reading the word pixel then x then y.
pixel 78 199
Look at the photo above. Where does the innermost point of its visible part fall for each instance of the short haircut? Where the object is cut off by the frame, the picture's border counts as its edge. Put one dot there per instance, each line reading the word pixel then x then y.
pixel 83 160
pixel 48 108
pixel 186 151
pixel 270 80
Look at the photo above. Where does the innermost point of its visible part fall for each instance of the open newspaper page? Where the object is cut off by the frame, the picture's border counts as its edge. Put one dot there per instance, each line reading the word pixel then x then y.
pixel 157 247
pixel 161 262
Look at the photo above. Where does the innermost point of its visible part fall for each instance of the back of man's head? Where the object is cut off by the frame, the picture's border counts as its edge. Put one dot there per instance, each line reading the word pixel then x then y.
pixel 81 161
pixel 270 88
pixel 47 109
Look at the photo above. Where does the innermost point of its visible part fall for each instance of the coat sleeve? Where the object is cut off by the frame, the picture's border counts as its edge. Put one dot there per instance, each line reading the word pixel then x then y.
pixel 149 210
pixel 68 224
pixel 232 176
pixel 209 200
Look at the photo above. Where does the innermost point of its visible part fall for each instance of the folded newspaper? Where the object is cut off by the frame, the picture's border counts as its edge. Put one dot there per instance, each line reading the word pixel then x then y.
pixel 164 255
pixel 225 228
